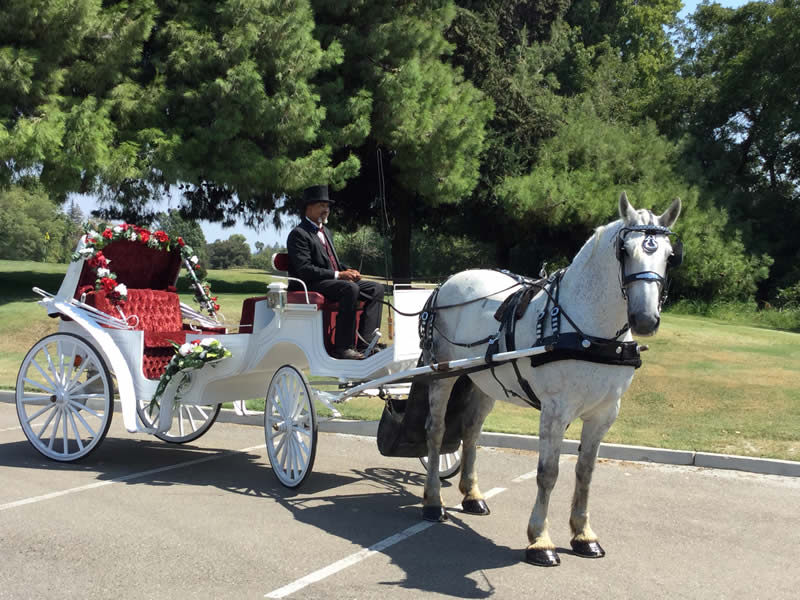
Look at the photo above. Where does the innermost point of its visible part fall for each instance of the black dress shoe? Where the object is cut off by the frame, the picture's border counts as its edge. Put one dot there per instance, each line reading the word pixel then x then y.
pixel 347 354
pixel 378 347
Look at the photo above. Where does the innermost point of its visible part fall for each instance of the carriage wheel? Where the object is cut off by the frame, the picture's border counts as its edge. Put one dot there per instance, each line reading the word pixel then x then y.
pixel 65 397
pixel 449 464
pixel 189 421
pixel 290 427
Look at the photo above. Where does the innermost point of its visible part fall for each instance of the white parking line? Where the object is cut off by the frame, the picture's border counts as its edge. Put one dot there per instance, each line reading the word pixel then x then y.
pixel 98 484
pixel 10 429
pixel 525 477
pixel 353 559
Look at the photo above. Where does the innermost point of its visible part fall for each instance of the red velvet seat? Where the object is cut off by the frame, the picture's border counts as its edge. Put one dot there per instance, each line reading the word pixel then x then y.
pixel 280 261
pixel 150 277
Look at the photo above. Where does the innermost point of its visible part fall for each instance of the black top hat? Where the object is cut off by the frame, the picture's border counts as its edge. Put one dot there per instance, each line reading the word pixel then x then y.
pixel 316 193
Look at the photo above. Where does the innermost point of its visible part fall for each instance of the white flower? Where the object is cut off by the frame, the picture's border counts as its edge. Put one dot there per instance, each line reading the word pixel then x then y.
pixel 103 272
pixel 194 260
pixel 152 242
pixel 208 342
pixel 86 251
pixel 93 234
pixel 185 349
pixel 121 289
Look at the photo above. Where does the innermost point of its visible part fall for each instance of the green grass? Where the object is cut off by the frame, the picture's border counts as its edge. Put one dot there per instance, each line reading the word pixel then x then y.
pixel 706 384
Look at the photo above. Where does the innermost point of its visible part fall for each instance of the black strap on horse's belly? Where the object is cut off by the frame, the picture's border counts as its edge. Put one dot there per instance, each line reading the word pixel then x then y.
pixel 574 346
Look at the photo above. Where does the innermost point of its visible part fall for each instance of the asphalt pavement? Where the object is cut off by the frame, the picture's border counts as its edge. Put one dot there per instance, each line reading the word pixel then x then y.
pixel 143 519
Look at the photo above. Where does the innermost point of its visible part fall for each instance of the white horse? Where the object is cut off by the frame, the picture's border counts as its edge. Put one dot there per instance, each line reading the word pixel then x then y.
pixel 616 280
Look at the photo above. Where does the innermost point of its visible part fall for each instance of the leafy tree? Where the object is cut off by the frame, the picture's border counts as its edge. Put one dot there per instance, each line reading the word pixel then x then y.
pixel 739 74
pixel 425 118
pixel 175 225
pixel 129 97
pixel 233 252
pixel 364 249
pixel 32 227
pixel 509 50
pixel 262 258
pixel 574 189
pixel 65 76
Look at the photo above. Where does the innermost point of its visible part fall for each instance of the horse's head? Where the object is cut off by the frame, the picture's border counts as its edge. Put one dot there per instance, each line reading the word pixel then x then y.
pixel 645 252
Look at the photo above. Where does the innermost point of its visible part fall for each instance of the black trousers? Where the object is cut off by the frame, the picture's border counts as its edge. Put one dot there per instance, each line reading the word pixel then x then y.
pixel 347 294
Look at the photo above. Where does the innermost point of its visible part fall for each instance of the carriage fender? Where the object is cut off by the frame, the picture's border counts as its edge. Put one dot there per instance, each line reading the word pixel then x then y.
pixel 112 353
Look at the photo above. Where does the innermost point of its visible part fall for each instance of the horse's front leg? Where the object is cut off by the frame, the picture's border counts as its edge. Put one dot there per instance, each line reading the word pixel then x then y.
pixel 477 407
pixel 432 505
pixel 595 426
pixel 541 550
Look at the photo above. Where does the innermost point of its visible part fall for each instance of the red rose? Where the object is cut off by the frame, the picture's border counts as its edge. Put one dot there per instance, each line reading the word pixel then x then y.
pixel 181 243
pixel 108 234
pixel 108 284
pixel 161 236
pixel 97 261
pixel 144 235
pixel 124 226
pixel 216 306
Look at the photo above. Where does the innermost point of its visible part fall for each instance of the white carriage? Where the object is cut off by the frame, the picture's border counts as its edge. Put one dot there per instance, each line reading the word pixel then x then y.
pixel 68 381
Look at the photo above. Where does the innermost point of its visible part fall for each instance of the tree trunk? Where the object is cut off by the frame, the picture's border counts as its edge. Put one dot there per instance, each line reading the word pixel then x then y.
pixel 401 235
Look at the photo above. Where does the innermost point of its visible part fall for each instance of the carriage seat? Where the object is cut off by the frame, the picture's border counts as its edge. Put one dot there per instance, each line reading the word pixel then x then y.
pixel 159 317
pixel 280 261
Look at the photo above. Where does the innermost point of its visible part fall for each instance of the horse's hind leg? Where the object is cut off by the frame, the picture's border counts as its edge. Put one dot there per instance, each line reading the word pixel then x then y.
pixel 477 407
pixel 438 395
pixel 595 426
pixel 541 550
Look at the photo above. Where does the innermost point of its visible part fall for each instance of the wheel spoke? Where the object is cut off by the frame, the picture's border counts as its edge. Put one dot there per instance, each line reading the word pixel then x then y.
pixel 45 375
pixel 69 371
pixel 180 421
pixel 82 420
pixel 64 431
pixel 47 422
pixel 36 398
pixel 80 406
pixel 85 383
pixel 50 391
pixel 75 428
pixel 189 416
pixel 55 430
pixel 40 412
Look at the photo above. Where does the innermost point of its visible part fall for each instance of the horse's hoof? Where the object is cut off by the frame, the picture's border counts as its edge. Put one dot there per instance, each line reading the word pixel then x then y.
pixel 475 507
pixel 588 549
pixel 437 514
pixel 542 558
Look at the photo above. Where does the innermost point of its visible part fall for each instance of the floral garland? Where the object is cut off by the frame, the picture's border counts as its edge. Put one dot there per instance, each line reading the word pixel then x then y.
pixel 117 293
pixel 191 355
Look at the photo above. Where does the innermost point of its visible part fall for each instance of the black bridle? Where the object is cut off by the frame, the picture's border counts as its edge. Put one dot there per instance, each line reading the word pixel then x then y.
pixel 649 246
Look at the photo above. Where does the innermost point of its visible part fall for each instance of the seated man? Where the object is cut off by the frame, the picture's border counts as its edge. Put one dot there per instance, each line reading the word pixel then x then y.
pixel 313 259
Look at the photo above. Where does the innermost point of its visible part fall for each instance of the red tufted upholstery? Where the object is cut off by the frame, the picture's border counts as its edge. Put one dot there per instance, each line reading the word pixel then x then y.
pixel 280 260
pixel 137 266
pixel 159 314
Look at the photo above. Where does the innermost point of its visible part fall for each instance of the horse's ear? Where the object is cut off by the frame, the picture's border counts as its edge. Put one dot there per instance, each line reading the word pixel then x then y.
pixel 669 217
pixel 626 211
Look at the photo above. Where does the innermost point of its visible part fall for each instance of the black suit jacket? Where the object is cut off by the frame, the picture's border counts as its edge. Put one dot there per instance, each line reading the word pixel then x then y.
pixel 308 259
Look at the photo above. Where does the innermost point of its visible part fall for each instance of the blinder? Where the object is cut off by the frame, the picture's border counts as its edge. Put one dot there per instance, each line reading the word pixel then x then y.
pixel 649 245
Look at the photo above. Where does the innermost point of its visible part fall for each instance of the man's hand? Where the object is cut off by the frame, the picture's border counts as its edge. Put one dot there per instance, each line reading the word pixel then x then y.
pixel 349 275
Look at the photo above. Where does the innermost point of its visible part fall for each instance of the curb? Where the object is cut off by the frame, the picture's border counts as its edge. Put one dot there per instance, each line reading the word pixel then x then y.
pixel 763 466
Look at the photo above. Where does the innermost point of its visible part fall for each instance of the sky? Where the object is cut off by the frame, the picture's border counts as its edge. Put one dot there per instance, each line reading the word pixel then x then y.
pixel 269 235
